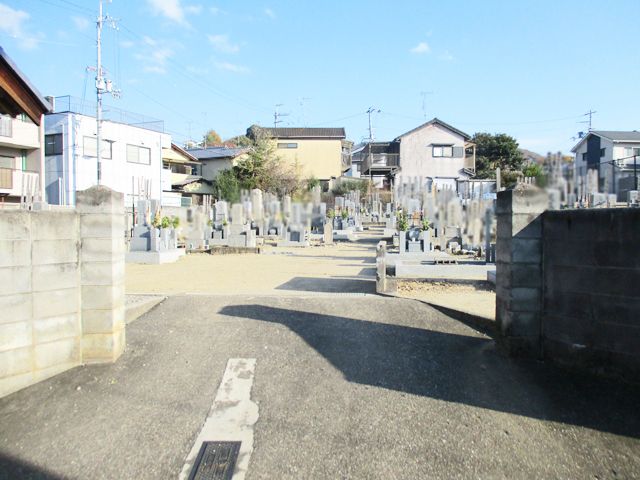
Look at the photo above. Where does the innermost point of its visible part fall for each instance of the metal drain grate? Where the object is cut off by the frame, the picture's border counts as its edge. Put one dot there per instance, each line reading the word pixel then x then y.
pixel 215 461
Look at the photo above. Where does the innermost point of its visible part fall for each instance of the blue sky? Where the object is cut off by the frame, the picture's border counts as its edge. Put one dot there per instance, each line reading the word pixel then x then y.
pixel 528 69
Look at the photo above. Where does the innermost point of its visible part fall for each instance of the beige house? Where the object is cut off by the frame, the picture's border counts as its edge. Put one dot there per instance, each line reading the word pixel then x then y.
pixel 22 110
pixel 181 186
pixel 322 152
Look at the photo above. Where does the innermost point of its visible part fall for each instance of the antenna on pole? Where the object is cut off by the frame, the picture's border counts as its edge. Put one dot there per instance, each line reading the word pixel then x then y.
pixel 424 102
pixel 304 106
pixel 370 111
pixel 102 85
pixel 278 115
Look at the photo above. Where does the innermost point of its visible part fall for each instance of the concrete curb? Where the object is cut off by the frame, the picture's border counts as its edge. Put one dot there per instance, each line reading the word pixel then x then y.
pixel 135 310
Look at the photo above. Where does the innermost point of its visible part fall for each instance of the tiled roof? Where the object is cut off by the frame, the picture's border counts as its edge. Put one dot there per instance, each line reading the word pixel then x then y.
pixel 216 152
pixel 619 136
pixel 337 133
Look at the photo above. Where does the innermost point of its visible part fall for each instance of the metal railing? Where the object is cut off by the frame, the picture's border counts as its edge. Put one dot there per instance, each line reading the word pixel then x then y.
pixel 85 107
pixel 380 162
pixel 6 126
pixel 470 162
pixel 346 161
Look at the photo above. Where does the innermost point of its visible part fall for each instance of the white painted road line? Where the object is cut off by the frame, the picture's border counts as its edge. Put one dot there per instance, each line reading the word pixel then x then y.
pixel 231 417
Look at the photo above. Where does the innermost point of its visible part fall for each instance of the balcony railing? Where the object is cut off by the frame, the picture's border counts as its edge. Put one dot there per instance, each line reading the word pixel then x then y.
pixel 112 114
pixel 379 163
pixel 346 162
pixel 6 126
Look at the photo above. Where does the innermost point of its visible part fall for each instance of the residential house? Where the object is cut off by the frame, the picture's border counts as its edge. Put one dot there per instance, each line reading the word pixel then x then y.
pixel 131 151
pixel 181 186
pixel 616 152
pixel 22 109
pixel 213 160
pixel 321 152
pixel 435 152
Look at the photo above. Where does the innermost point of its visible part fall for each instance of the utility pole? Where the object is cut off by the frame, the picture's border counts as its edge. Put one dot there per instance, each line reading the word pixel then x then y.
pixel 424 102
pixel 205 129
pixel 370 111
pixel 102 85
pixel 278 115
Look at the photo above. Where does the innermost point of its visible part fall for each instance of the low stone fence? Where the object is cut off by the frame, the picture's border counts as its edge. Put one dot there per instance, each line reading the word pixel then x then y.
pixel 568 283
pixel 62 300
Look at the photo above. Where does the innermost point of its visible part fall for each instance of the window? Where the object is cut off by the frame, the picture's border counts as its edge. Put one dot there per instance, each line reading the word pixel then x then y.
pixel 584 157
pixel 53 144
pixel 443 151
pixel 602 152
pixel 90 148
pixel 636 151
pixel 287 145
pixel 8 162
pixel 5 126
pixel 137 154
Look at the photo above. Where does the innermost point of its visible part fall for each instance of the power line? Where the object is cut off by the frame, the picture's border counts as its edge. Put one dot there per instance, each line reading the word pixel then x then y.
pixel 67 8
pixel 201 81
pixel 339 119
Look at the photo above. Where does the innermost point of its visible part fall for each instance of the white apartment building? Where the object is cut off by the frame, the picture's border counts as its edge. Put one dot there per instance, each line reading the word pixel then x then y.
pixel 131 152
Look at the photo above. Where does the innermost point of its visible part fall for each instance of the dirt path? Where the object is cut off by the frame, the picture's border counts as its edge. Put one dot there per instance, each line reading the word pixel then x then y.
pixel 346 267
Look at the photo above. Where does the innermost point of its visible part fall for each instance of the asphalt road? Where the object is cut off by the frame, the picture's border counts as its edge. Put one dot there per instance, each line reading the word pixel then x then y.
pixel 348 387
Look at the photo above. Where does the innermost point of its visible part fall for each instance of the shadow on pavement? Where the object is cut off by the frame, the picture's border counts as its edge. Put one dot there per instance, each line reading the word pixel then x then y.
pixel 457 368
pixel 13 469
pixel 329 285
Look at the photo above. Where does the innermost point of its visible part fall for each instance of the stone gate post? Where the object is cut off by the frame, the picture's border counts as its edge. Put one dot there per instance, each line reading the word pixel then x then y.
pixel 102 225
pixel 519 269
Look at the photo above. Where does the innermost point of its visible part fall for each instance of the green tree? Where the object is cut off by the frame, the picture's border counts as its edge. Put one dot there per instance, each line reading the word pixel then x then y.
pixel 212 138
pixel 493 151
pixel 532 170
pixel 260 168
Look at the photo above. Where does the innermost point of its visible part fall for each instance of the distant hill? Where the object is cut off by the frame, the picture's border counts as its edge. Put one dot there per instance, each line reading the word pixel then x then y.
pixel 534 157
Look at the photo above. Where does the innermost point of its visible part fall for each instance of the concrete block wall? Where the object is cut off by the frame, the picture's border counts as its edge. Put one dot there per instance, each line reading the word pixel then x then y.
pixel 591 270
pixel 519 269
pixel 102 226
pixel 40 332
pixel 53 265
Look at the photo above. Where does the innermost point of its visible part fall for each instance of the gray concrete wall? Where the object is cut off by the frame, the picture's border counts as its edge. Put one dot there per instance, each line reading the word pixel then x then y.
pixel 53 265
pixel 591 268
pixel 567 283
pixel 519 269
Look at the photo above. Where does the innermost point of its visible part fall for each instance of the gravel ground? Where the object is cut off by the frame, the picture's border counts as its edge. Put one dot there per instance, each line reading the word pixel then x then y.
pixel 478 298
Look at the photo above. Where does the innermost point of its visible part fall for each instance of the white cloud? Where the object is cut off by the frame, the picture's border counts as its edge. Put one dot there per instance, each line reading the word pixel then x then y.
pixel 214 10
pixel 170 9
pixel 231 67
pixel 81 22
pixel 221 43
pixel 155 69
pixel 11 23
pixel 195 9
pixel 269 12
pixel 197 70
pixel 447 56
pixel 149 41
pixel 421 48
pixel 126 44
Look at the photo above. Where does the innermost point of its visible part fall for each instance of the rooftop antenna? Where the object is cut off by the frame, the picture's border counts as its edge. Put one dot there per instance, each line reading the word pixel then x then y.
pixel 278 115
pixel 370 111
pixel 590 113
pixel 424 102
pixel 102 85
pixel 304 106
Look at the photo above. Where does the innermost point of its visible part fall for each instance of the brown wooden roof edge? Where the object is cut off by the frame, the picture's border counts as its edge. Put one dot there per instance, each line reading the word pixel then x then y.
pixel 35 105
